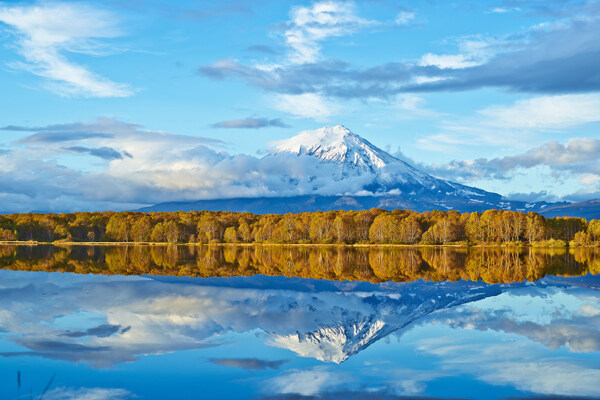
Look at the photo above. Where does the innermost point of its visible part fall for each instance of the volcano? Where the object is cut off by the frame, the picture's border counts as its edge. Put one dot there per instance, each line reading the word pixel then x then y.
pixel 333 168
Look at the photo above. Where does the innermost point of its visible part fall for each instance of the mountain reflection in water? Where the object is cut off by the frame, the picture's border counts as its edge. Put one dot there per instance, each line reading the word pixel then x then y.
pixel 374 264
pixel 274 337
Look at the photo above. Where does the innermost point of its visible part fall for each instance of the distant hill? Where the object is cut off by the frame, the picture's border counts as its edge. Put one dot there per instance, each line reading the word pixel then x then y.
pixel 314 167
pixel 296 204
pixel 588 209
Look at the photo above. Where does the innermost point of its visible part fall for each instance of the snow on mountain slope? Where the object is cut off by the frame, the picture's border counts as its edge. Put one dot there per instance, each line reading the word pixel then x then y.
pixel 349 331
pixel 335 343
pixel 346 156
pixel 336 144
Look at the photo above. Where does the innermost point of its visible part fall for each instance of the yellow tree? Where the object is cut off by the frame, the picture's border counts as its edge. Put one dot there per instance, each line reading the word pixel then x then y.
pixel 473 229
pixel 230 235
pixel 535 228
pixel 344 228
pixel 410 230
pixel 209 228
pixel 321 228
pixel 244 232
pixel 384 229
pixel 594 229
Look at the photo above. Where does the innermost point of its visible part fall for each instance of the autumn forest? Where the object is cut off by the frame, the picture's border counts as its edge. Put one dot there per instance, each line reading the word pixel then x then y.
pixel 375 226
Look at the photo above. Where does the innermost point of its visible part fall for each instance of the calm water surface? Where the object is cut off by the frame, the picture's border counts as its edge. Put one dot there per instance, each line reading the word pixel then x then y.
pixel 262 335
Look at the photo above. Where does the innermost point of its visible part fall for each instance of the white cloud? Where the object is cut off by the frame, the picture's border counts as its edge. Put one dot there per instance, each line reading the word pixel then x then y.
pixel 503 10
pixel 472 51
pixel 413 106
pixel 306 29
pixel 547 377
pixel 44 33
pixel 42 168
pixel 87 394
pixel 310 25
pixel 408 382
pixel 587 179
pixel 589 310
pixel 404 17
pixel 410 102
pixel 577 158
pixel 546 112
pixel 515 125
pixel 307 105
pixel 308 382
pixel 447 61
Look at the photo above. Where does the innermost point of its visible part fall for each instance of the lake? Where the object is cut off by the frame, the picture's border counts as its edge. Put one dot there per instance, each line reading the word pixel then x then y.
pixel 273 322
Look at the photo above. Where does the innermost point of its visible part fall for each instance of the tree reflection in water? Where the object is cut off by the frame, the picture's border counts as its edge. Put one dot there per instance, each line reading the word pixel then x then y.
pixel 374 264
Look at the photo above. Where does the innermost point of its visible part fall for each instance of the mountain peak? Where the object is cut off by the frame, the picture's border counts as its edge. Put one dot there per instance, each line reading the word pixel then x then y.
pixel 336 144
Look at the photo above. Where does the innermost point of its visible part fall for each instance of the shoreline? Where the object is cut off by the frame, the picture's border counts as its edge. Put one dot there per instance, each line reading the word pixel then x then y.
pixel 353 245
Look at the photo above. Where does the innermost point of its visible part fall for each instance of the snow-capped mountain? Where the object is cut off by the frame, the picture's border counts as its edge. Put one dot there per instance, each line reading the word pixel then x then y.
pixel 345 156
pixel 334 168
pixel 337 144
pixel 350 331
pixel 330 321
pixel 335 343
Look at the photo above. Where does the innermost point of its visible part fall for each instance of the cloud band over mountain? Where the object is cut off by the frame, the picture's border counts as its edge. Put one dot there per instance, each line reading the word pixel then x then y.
pixel 172 167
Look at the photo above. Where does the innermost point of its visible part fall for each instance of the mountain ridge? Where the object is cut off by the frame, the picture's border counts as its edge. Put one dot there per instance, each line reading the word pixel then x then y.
pixel 589 209
pixel 311 203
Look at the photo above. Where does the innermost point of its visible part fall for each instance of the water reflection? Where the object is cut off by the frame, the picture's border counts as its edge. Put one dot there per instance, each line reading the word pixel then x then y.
pixel 124 318
pixel 491 265
pixel 277 337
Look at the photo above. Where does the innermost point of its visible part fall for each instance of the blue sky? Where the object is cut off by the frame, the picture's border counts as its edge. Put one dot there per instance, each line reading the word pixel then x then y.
pixel 123 103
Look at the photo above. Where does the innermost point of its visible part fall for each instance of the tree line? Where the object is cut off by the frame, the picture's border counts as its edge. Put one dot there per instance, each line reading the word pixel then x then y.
pixel 372 264
pixel 375 226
